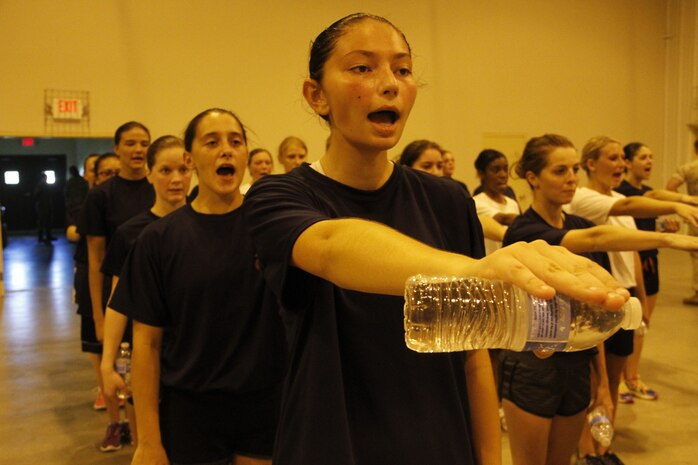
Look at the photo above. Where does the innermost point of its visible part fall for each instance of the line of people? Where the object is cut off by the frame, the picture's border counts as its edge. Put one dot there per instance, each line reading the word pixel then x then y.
pixel 269 328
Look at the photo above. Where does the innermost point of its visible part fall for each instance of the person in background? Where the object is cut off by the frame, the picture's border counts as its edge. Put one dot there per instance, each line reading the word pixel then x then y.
pixel 292 153
pixel 89 343
pixel 169 174
pixel 260 163
pixel 423 155
pixel 546 399
pixel 639 161
pixel 208 345
pixel 43 202
pixel 688 174
pixel 107 207
pixel 493 170
pixel 604 162
pixel 75 189
pixel 449 163
pixel 338 239
pixel 487 153
pixel 449 168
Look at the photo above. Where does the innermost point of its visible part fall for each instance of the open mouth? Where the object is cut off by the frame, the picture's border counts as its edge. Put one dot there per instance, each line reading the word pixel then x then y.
pixel 383 117
pixel 225 170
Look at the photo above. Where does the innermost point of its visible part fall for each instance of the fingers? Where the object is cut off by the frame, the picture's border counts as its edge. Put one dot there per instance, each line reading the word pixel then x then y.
pixel 541 269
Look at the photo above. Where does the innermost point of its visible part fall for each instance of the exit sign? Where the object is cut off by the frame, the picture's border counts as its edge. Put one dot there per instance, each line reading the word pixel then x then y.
pixel 66 108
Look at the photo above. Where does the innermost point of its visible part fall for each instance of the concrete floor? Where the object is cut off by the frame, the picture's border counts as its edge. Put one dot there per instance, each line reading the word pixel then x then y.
pixel 46 383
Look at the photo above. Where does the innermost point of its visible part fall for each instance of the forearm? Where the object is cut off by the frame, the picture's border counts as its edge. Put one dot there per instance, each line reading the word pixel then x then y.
pixel 482 398
pixel 145 375
pixel 607 238
pixel 505 218
pixel 671 196
pixel 643 207
pixel 369 257
pixel 492 229
pixel 114 328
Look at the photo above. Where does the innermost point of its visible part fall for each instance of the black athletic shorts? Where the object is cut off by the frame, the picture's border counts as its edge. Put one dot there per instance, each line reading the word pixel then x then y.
pixel 210 428
pixel 88 336
pixel 621 343
pixel 556 386
pixel 650 274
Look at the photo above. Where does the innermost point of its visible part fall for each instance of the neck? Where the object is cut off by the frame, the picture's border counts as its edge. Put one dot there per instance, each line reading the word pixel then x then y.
pixel 131 174
pixel 211 203
pixel 357 168
pixel 595 185
pixel 494 195
pixel 164 208
pixel 634 180
pixel 551 213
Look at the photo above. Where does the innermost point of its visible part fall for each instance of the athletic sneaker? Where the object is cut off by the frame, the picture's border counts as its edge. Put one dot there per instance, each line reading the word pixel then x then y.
pixel 641 390
pixel 590 460
pixel 624 394
pixel 112 438
pixel 609 458
pixel 125 433
pixel 99 403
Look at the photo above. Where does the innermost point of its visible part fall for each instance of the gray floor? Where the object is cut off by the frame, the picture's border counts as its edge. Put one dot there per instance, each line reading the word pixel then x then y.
pixel 46 383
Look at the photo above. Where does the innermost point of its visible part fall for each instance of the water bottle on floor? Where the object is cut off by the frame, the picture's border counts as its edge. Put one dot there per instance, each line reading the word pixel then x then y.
pixel 123 367
pixel 447 314
pixel 600 425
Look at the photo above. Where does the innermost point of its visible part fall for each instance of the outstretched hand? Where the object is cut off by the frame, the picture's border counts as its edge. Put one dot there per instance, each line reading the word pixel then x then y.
pixel 542 270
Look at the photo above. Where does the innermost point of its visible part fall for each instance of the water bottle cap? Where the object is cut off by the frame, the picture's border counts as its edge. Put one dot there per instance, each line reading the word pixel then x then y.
pixel 633 314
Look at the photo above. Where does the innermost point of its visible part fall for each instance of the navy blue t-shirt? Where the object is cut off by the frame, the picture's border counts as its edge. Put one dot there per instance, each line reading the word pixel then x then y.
pixel 123 239
pixel 195 276
pixel 643 224
pixel 354 393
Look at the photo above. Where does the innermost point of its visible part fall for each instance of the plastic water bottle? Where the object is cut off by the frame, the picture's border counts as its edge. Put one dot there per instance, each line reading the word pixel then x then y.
pixel 600 425
pixel 448 314
pixel 123 367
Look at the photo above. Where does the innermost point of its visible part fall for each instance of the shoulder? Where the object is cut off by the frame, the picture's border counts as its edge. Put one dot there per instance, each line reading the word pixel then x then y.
pixel 577 222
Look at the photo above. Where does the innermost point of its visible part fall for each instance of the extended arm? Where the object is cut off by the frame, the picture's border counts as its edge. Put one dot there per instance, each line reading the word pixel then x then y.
pixel 482 398
pixel 371 257
pixel 608 238
pixel 145 367
pixel 672 196
pixel 492 229
pixel 643 207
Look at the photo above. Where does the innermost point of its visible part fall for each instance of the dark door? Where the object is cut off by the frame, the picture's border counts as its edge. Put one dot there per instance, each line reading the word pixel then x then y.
pixel 19 200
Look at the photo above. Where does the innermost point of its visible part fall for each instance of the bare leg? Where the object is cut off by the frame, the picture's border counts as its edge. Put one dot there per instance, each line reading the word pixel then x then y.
pixel 564 435
pixel 528 435
pixel 632 368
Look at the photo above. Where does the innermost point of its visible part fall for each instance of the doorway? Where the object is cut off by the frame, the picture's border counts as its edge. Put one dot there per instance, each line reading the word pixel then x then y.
pixel 19 177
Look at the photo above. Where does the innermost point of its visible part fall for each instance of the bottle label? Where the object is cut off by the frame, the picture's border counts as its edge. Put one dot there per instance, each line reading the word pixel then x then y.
pixel 598 419
pixel 548 323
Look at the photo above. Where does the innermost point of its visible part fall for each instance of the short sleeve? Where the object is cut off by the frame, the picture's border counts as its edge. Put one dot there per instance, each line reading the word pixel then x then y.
pixel 139 293
pixel 592 205
pixel 278 209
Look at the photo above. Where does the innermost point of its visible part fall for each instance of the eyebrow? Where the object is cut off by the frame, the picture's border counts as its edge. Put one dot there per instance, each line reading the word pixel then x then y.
pixel 371 54
pixel 216 133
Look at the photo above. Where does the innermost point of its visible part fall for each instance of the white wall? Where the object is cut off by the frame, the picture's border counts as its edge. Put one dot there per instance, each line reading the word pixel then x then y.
pixel 579 67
